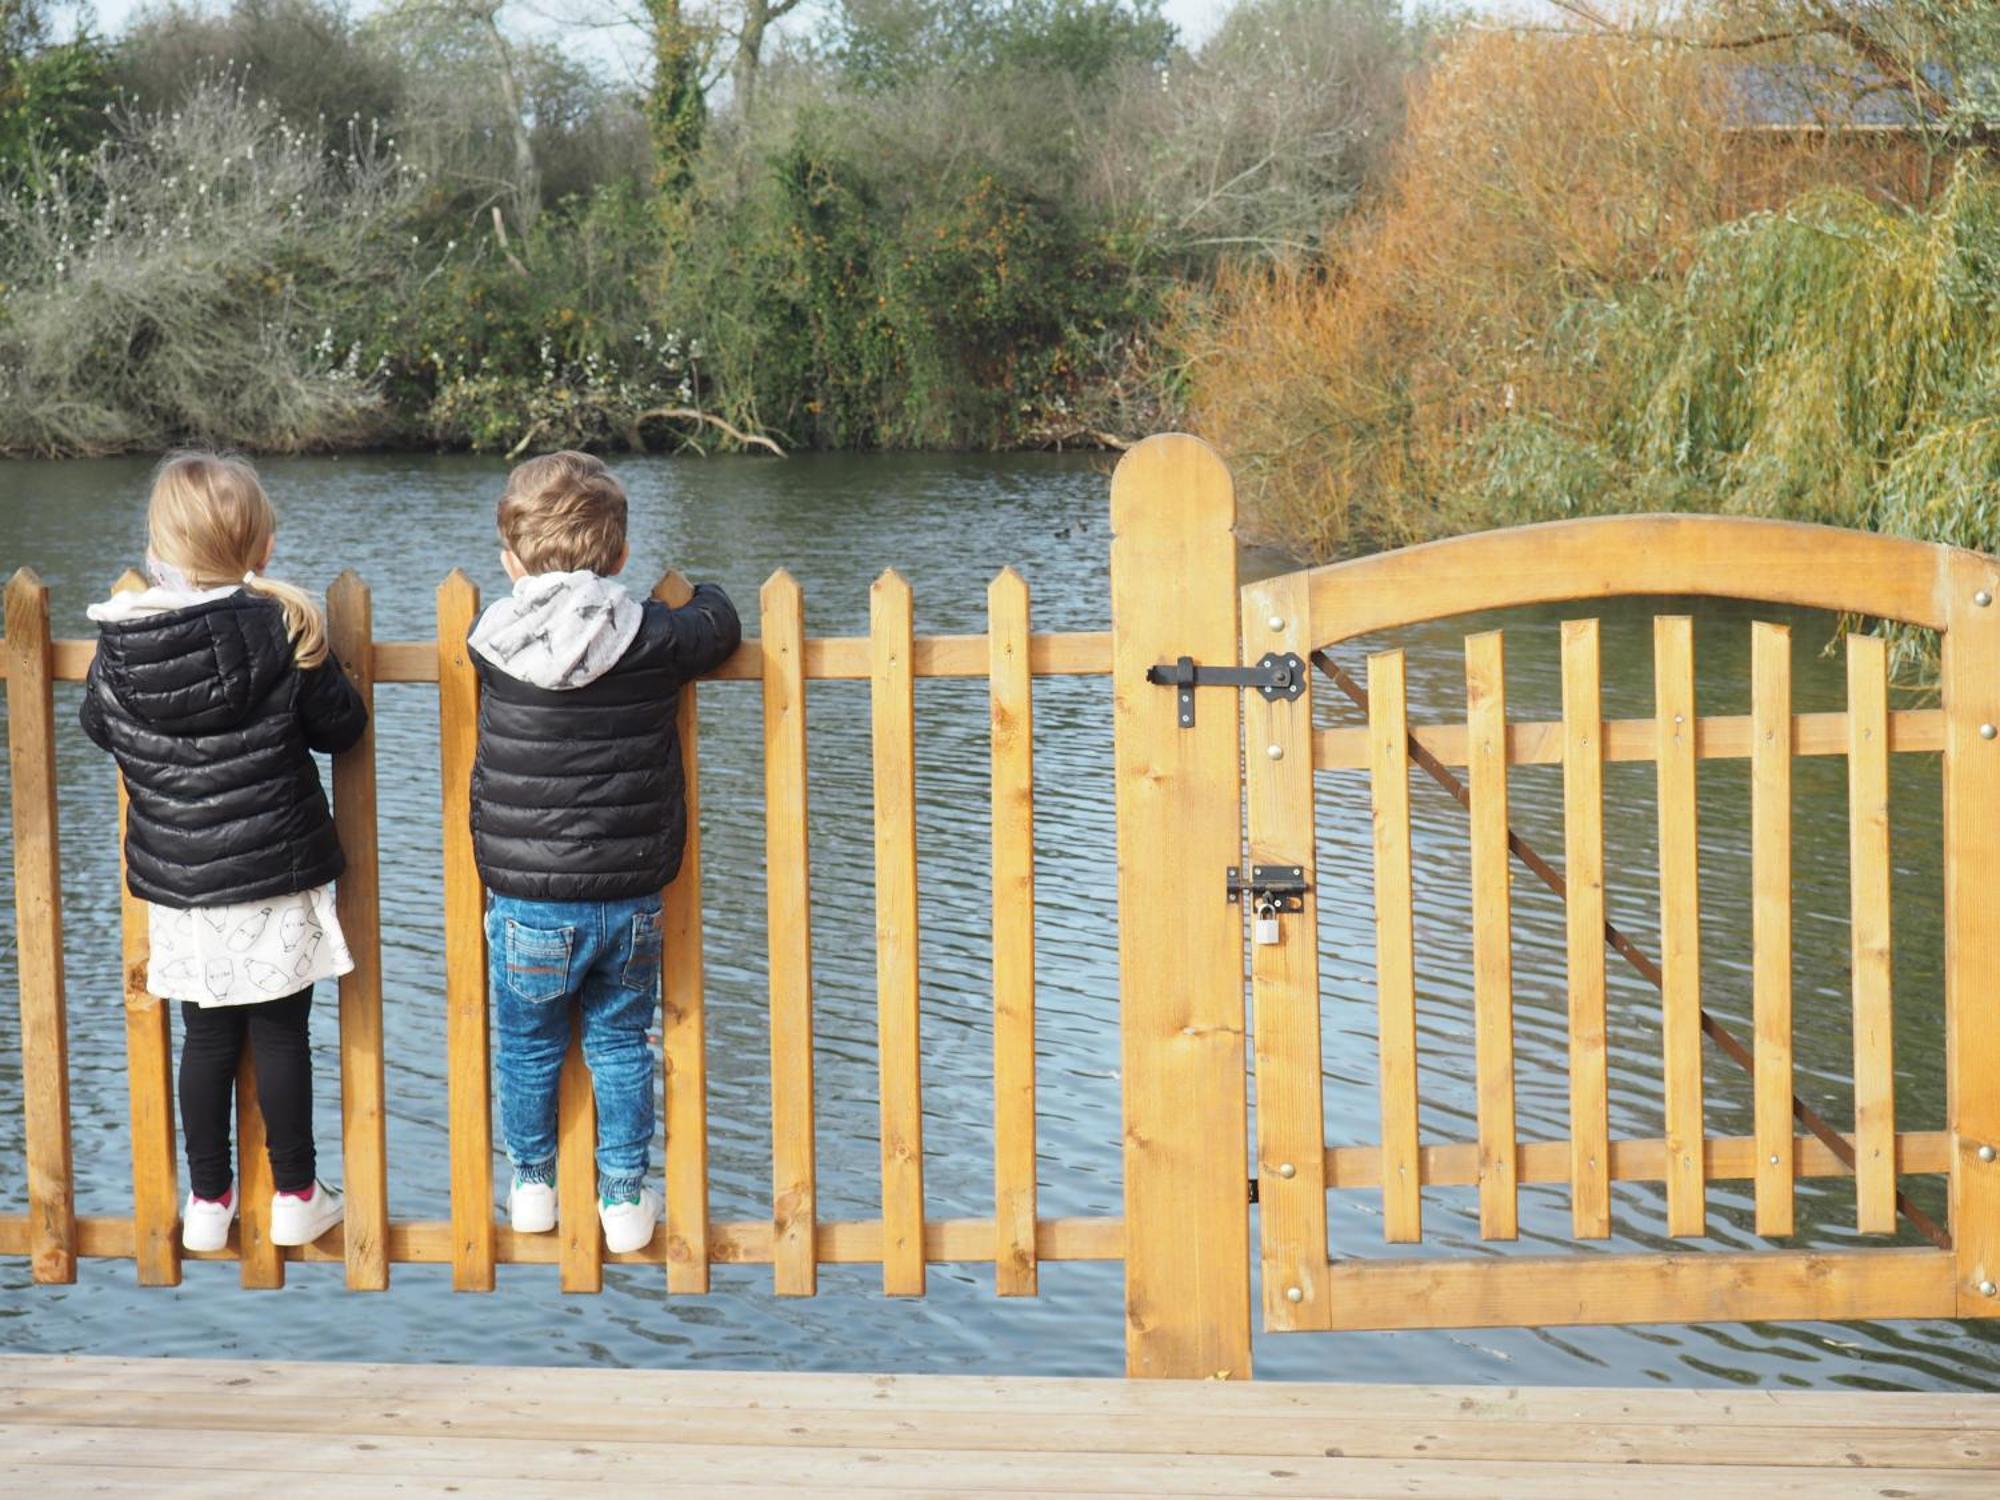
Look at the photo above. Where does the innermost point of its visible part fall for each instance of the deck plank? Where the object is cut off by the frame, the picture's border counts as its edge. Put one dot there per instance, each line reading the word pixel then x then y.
pixel 76 1425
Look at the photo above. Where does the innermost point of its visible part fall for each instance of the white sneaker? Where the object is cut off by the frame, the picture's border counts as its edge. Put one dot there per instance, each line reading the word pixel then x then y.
pixel 532 1206
pixel 205 1223
pixel 297 1220
pixel 629 1225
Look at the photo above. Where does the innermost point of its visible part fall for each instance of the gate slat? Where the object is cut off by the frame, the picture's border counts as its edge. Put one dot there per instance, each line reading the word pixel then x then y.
pixel 149 1066
pixel 1395 949
pixel 1013 752
pixel 1284 976
pixel 1868 841
pixel 892 721
pixel 1970 677
pixel 468 1066
pixel 1771 921
pixel 1680 923
pixel 794 1203
pixel 684 1031
pixel 358 900
pixel 1492 943
pixel 31 747
pixel 1583 836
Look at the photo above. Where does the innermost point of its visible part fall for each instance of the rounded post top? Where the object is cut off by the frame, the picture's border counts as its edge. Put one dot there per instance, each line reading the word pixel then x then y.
pixel 1172 482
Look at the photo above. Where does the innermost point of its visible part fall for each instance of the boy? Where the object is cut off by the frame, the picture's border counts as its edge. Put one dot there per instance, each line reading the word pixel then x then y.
pixel 579 815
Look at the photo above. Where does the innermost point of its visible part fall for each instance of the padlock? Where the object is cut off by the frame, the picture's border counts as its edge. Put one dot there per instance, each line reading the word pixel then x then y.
pixel 1265 928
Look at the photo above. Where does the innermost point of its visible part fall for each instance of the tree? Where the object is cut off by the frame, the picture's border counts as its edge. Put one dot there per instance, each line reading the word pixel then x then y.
pixel 753 23
pixel 53 95
pixel 676 103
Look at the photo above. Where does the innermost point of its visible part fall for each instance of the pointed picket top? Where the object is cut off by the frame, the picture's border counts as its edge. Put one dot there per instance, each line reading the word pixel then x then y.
pixel 131 581
pixel 1007 584
pixel 349 585
pixel 780 585
pixel 673 589
pixel 25 582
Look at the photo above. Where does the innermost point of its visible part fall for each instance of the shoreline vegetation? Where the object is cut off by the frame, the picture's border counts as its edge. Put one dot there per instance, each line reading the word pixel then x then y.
pixel 1413 272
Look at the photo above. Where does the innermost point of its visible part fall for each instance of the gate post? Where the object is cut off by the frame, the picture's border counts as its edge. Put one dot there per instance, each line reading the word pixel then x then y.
pixel 1180 940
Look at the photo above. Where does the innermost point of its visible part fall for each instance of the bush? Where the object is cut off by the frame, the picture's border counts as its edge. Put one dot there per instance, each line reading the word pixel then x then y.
pixel 186 282
pixel 1544 190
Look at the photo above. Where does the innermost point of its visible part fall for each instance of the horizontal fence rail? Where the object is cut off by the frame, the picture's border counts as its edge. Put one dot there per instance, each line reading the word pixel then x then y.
pixel 795 1240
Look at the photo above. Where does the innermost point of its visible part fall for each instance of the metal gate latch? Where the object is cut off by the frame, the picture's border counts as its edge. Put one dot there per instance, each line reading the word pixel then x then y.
pixel 1270 890
pixel 1276 675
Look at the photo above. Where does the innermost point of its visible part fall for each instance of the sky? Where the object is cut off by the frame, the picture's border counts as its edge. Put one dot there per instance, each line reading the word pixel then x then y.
pixel 1195 18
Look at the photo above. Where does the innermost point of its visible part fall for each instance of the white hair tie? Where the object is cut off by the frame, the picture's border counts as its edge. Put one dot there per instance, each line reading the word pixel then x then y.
pixel 250 578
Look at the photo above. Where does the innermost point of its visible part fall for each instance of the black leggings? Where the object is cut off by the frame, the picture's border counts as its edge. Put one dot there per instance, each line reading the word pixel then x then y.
pixel 277 1031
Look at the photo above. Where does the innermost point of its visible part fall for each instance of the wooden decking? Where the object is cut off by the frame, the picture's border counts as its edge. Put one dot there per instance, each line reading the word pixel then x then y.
pixel 300 1431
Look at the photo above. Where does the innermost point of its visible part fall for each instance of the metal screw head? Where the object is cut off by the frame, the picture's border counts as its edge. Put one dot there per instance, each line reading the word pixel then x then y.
pixel 1986 1153
pixel 1986 1289
pixel 1987 731
pixel 1982 598
pixel 1774 1161
pixel 1293 1294
pixel 1286 1169
pixel 1276 622
pixel 1276 752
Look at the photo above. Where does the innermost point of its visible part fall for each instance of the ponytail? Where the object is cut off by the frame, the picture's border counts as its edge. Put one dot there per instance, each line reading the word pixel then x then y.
pixel 303 622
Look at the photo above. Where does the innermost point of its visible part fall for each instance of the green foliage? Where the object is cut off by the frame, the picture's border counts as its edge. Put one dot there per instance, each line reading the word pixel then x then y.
pixel 949 224
pixel 889 43
pixel 54 96
pixel 676 110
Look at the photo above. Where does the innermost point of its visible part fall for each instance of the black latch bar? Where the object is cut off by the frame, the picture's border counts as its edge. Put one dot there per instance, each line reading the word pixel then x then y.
pixel 1284 887
pixel 1276 675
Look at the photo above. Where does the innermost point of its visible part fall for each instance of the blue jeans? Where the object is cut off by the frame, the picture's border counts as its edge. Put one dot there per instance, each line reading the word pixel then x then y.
pixel 605 957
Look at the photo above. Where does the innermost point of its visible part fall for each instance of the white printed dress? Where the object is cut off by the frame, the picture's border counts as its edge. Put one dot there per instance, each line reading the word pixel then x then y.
pixel 247 952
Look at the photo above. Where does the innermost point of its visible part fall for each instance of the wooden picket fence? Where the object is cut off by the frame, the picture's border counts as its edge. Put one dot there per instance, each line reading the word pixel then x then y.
pixel 795 1240
pixel 1181 781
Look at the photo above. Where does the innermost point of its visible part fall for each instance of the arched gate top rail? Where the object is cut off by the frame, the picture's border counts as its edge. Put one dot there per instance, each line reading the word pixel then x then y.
pixel 1731 557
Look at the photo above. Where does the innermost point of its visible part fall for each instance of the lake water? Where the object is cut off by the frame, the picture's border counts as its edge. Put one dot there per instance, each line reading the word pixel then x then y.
pixel 948 523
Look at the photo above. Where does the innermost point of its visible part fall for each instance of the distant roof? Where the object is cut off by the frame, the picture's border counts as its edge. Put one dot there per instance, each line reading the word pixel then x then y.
pixel 1796 95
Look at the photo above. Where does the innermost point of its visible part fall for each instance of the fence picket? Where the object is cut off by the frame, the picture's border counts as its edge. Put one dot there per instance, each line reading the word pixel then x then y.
pixel 31 747
pixel 468 1056
pixel 1868 863
pixel 1583 852
pixel 683 1033
pixel 1395 949
pixel 582 1241
pixel 1771 921
pixel 261 1263
pixel 1492 946
pixel 350 633
pixel 1680 923
pixel 898 1025
pixel 1013 752
pixel 794 1195
pixel 149 1073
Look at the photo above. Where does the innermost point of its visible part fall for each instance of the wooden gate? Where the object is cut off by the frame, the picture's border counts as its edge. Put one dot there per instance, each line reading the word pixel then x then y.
pixel 1310 1284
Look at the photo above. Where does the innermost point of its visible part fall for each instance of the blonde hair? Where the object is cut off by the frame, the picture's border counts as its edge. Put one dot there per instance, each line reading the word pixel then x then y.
pixel 563 512
pixel 210 518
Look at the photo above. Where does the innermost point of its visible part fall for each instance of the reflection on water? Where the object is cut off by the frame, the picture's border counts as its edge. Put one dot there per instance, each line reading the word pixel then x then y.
pixel 948 524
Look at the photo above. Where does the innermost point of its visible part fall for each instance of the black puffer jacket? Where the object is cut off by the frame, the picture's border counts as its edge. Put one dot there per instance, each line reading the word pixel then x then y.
pixel 577 793
pixel 212 723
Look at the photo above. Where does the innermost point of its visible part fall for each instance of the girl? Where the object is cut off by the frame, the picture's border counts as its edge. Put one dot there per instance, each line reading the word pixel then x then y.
pixel 211 689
